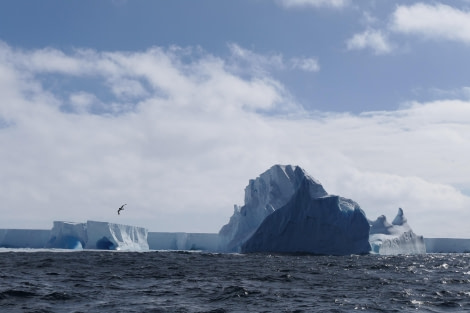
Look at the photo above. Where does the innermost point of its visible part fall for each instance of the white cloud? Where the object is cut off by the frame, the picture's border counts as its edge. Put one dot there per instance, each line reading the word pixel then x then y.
pixel 375 40
pixel 129 88
pixel 305 64
pixel 432 21
pixel 247 60
pixel 186 147
pixel 81 102
pixel 259 63
pixel 439 93
pixel 314 3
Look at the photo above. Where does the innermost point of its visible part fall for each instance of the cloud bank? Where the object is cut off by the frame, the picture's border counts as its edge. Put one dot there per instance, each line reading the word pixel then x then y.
pixel 177 132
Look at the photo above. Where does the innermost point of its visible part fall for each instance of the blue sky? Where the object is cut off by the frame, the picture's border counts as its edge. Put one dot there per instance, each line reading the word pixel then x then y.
pixel 172 106
pixel 265 27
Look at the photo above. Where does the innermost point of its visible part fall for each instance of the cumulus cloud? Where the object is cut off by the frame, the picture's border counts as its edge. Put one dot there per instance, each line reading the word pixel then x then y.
pixel 314 3
pixel 180 143
pixel 376 40
pixel 432 21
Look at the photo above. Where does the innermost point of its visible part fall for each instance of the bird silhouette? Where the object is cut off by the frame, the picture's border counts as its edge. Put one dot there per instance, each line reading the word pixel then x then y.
pixel 121 208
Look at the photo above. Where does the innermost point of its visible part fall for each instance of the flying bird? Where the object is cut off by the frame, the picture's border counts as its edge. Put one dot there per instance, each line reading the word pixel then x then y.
pixel 121 208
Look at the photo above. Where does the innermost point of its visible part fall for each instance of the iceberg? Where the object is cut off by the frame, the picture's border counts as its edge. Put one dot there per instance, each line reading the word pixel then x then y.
pixel 264 195
pixel 67 235
pixel 110 236
pixel 97 235
pixel 24 238
pixel 183 241
pixel 447 245
pixel 308 223
pixel 395 238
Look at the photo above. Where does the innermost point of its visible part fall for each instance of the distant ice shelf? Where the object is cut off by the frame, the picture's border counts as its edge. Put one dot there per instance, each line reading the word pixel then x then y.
pixel 447 245
pixel 105 236
pixel 24 238
pixel 183 241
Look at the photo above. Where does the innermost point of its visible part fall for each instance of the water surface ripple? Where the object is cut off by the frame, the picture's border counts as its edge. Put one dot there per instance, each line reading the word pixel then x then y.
pixel 103 281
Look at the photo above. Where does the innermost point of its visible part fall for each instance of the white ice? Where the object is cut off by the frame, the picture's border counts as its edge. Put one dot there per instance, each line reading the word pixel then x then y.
pixel 395 238
pixel 97 235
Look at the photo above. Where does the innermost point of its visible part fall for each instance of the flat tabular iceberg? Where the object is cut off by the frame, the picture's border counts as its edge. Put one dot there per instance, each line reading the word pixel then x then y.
pixel 110 236
pixel 183 241
pixel 97 235
pixel 395 238
pixel 67 235
pixel 447 245
pixel 24 238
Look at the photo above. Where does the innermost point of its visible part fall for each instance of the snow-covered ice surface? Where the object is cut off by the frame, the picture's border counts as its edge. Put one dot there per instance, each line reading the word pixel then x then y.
pixel 330 225
pixel 264 195
pixel 395 238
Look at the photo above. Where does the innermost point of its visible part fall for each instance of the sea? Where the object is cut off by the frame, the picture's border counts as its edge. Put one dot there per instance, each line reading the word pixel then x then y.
pixel 180 281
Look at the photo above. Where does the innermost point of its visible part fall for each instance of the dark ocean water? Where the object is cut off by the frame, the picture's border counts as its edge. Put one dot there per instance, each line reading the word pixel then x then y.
pixel 103 281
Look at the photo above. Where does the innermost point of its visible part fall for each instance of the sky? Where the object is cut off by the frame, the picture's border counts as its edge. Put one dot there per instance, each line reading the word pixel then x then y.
pixel 173 106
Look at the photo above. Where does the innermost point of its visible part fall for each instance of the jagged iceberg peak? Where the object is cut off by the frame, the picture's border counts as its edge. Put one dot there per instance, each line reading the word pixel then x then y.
pixel 380 226
pixel 400 219
pixel 395 238
pixel 273 188
pixel 268 192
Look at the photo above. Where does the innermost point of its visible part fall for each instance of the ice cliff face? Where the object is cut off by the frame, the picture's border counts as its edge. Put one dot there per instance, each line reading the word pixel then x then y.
pixel 183 241
pixel 97 235
pixel 310 224
pixel 264 195
pixel 447 245
pixel 23 238
pixel 395 238
pixel 109 236
pixel 67 235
